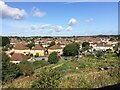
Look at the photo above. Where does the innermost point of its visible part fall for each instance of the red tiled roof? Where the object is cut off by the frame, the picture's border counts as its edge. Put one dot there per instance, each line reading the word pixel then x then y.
pixel 55 47
pixel 103 45
pixel 20 46
pixel 18 57
pixel 37 47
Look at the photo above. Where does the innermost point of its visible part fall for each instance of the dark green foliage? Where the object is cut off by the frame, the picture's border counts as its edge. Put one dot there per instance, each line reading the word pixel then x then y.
pixel 85 44
pixel 77 45
pixel 26 68
pixel 37 55
pixel 10 71
pixel 53 58
pixel 30 45
pixel 39 64
pixel 71 49
pixel 5 41
pixel 99 54
pixel 48 78
pixel 7 47
pixel 51 44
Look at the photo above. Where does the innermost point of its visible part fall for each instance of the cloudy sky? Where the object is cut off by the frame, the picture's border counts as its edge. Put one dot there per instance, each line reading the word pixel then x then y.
pixel 58 19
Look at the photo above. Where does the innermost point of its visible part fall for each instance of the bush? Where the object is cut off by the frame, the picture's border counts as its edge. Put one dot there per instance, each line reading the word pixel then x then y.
pixel 37 55
pixel 47 79
pixel 26 68
pixel 10 71
pixel 53 58
pixel 99 54
pixel 38 64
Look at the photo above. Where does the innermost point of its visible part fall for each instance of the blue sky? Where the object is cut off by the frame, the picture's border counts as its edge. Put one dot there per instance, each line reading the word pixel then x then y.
pixel 59 19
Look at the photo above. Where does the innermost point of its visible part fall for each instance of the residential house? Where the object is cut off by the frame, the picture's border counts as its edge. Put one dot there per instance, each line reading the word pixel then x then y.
pixel 18 57
pixel 21 48
pixel 37 49
pixel 102 46
pixel 55 48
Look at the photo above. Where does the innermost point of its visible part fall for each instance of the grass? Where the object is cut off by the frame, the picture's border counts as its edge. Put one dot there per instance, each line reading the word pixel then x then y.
pixel 85 76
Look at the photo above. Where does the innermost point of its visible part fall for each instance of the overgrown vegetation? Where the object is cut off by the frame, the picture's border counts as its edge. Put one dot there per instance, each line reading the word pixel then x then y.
pixel 53 58
pixel 48 78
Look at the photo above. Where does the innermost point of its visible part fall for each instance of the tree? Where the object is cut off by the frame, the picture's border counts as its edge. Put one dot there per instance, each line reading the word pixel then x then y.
pixel 30 45
pixel 71 49
pixel 26 68
pixel 85 44
pixel 5 41
pixel 53 58
pixel 10 71
pixel 52 44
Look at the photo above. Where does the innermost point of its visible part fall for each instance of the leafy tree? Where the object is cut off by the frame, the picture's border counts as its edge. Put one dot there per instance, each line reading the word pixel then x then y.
pixel 48 78
pixel 85 44
pixel 77 45
pixel 5 41
pixel 30 45
pixel 10 71
pixel 53 58
pixel 26 68
pixel 52 44
pixel 71 49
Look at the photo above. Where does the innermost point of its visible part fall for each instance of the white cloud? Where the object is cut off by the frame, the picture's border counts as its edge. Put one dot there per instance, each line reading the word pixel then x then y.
pixel 37 13
pixel 56 28
pixel 69 28
pixel 72 22
pixel 90 20
pixel 9 12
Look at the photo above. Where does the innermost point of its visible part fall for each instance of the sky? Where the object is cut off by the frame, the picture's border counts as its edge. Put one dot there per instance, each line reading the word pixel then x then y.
pixel 59 18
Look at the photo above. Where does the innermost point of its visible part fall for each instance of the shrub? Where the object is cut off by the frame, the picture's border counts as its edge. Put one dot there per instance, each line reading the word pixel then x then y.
pixel 10 71
pixel 37 55
pixel 26 68
pixel 99 54
pixel 48 78
pixel 53 58
pixel 38 64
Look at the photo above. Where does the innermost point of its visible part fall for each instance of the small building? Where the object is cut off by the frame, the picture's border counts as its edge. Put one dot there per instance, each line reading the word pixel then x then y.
pixel 18 57
pixel 55 48
pixel 37 49
pixel 21 48
pixel 102 47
